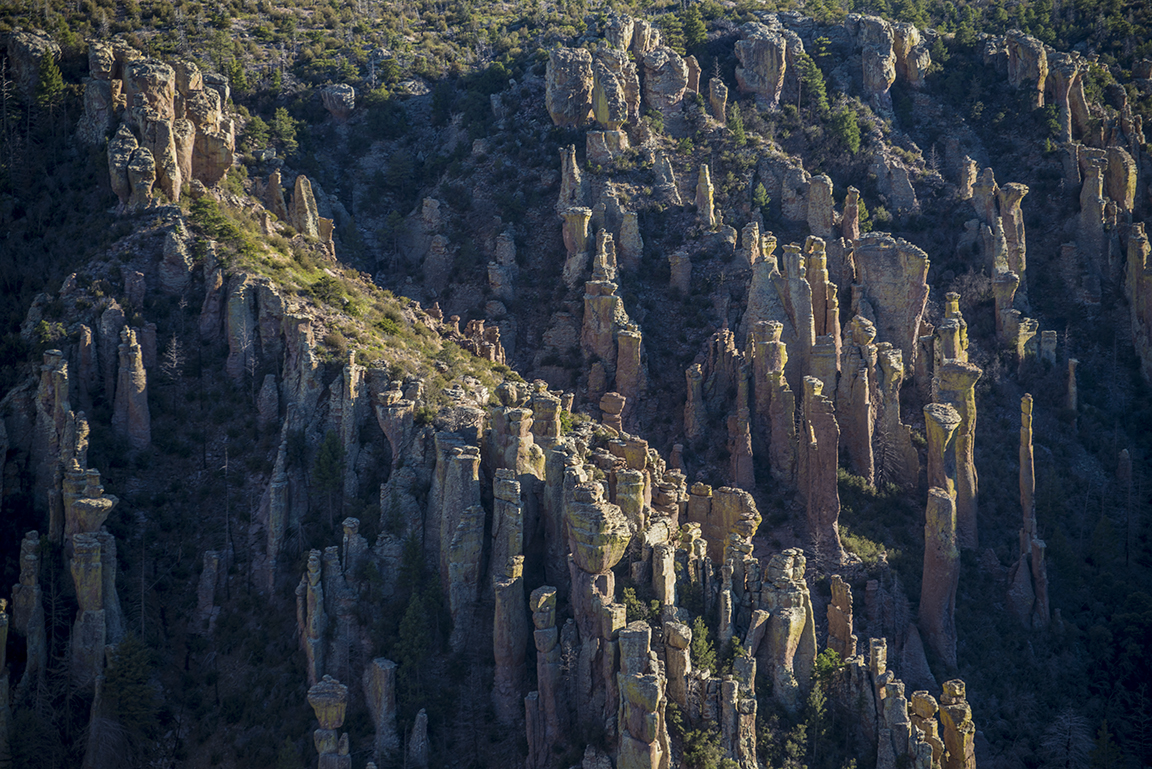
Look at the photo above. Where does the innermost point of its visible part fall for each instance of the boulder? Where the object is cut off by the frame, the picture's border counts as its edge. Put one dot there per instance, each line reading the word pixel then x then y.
pixel 339 100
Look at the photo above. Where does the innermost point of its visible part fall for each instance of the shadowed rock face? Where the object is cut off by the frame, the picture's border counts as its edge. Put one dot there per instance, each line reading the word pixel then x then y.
pixel 941 576
pixel 569 86
pixel 892 276
pixel 1027 66
pixel 665 80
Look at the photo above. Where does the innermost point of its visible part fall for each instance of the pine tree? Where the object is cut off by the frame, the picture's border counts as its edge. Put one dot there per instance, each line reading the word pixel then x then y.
pixel 736 125
pixel 672 31
pixel 812 83
pixel 695 33
pixel 50 87
pixel 760 198
pixel 702 651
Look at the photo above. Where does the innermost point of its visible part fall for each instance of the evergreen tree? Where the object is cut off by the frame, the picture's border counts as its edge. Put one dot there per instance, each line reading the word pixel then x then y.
pixel 284 129
pixel 812 84
pixel 760 199
pixel 736 125
pixel 695 33
pixel 847 129
pixel 702 651
pixel 672 32
pixel 50 86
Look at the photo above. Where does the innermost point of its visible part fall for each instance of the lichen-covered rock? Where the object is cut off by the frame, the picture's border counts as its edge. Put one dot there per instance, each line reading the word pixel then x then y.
pixel 339 100
pixel 510 641
pixel 941 576
pixel 380 696
pixel 718 100
pixel 99 112
pixel 956 386
pixel 956 723
pixel 303 215
pixel 120 151
pixel 878 59
pixel 788 650
pixel 616 88
pixel 762 53
pixel 568 90
pixel 597 530
pixel 893 275
pixel 840 636
pixel 1027 65
pixel 141 176
pixel 665 80
pixel 819 453
pixel 213 153
pixel 150 84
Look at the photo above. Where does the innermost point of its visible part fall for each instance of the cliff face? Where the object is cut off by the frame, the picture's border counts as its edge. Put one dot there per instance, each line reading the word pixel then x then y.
pixel 509 527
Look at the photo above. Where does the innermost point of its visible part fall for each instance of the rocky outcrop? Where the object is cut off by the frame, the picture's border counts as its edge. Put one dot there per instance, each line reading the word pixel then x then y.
pixel 1028 577
pixel 543 708
pixel 641 682
pixel 1027 66
pixel 819 452
pixel 762 55
pixel 1120 178
pixel 704 205
pixel 892 289
pixel 510 641
pixel 26 53
pixel 941 576
pixel 141 177
pixel 856 396
pixel 840 637
pixel 821 216
pixel 788 651
pixel 774 427
pixel 303 214
pixel 28 615
pixel 665 80
pixel 130 414
pixel 718 100
pixel 956 385
pixel 1066 80
pixel 98 621
pixel 120 150
pixel 339 100
pixel 956 723
pixel 615 90
pixel 569 83
pixel 380 695
pixel 878 59
pixel 1138 288
pixel 311 617
pixel 666 187
pixel 329 700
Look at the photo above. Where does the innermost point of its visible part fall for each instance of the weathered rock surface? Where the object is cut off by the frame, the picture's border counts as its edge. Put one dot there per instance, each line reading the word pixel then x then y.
pixel 131 416
pixel 569 86
pixel 339 100
pixel 941 576
pixel 762 53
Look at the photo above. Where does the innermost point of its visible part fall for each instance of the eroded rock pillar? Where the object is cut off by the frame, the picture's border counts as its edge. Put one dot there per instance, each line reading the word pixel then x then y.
pixel 957 388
